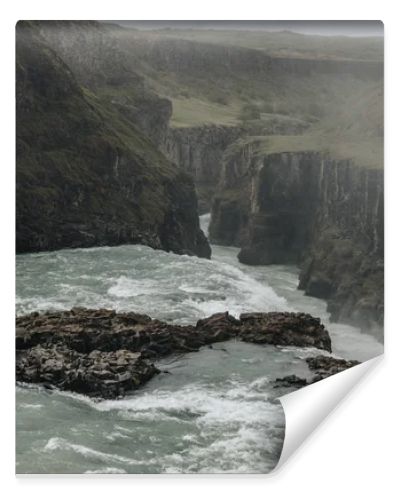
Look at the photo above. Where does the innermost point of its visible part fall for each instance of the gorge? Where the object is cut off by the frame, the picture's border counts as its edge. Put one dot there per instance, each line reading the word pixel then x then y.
pixel 262 136
pixel 199 230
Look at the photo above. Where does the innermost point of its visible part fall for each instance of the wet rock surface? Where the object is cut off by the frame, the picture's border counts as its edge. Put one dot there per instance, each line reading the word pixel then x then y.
pixel 102 353
pixel 291 381
pixel 321 366
pixel 296 329
pixel 101 374
pixel 325 366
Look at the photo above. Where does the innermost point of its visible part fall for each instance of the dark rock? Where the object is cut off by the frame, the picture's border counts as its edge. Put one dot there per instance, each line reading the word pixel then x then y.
pixel 214 322
pixel 319 287
pixel 105 354
pixel 297 329
pixel 321 366
pixel 291 381
pixel 95 374
pixel 199 151
pixel 325 366
pixel 310 209
pixel 85 173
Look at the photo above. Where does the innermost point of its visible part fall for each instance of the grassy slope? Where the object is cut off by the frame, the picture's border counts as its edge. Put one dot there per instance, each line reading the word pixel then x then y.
pixel 192 111
pixel 79 123
pixel 344 112
pixel 366 153
pixel 285 43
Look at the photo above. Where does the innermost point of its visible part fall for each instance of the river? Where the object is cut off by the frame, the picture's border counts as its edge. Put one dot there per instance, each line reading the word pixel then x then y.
pixel 215 411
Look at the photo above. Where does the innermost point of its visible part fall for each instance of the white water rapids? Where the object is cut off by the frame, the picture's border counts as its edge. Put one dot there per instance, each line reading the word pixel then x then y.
pixel 216 409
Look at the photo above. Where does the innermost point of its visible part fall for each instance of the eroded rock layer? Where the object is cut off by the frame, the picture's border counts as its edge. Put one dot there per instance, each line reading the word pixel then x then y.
pixel 306 208
pixel 104 353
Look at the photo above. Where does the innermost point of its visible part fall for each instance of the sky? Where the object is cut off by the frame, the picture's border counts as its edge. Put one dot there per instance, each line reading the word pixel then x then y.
pixel 327 28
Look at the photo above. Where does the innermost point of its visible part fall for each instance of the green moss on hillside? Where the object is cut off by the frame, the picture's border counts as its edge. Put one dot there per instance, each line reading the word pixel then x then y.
pixel 366 153
pixel 85 175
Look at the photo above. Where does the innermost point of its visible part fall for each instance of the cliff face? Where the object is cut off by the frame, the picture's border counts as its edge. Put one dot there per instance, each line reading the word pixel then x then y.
pixel 94 52
pixel 344 261
pixel 85 175
pixel 306 208
pixel 231 207
pixel 199 151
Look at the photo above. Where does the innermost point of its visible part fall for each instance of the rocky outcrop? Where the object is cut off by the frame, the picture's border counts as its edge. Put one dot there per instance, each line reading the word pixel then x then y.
pixel 86 176
pixel 104 353
pixel 297 329
pixel 326 366
pixel 98 374
pixel 292 381
pixel 306 208
pixel 321 368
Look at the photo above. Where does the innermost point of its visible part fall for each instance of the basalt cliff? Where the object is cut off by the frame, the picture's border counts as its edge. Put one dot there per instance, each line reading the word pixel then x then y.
pixel 306 208
pixel 87 174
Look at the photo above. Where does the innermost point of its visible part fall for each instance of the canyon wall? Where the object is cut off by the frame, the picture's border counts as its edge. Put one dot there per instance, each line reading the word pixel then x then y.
pixel 306 208
pixel 199 151
pixel 85 175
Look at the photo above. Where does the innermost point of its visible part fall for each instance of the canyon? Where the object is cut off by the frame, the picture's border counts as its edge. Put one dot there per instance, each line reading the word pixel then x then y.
pixel 285 152
pixel 288 182
pixel 139 152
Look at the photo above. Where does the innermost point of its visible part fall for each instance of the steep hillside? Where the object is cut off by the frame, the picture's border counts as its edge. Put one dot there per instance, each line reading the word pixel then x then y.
pixel 85 175
pixel 94 52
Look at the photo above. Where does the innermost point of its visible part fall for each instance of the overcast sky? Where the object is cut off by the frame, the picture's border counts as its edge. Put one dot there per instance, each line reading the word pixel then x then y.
pixel 348 28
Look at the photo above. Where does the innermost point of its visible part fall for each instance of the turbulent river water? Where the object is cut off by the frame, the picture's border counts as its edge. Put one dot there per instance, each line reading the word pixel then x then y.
pixel 215 411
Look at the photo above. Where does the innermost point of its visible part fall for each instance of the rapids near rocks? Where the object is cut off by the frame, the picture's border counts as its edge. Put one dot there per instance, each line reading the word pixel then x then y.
pixel 216 409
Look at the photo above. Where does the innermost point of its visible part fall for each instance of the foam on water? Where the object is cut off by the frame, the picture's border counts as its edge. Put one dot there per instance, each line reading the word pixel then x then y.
pixel 215 411
pixel 182 288
pixel 106 470
pixel 209 415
